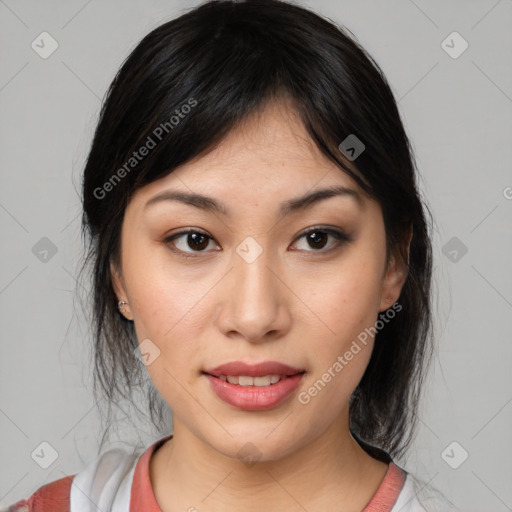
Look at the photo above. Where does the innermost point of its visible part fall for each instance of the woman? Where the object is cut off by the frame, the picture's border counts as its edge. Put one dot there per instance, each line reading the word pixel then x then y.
pixel 259 246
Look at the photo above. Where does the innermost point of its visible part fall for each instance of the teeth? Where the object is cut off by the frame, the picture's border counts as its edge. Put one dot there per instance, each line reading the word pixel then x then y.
pixel 245 380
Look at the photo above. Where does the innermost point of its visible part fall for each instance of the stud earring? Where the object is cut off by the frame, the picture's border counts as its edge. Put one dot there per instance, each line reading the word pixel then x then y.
pixel 121 304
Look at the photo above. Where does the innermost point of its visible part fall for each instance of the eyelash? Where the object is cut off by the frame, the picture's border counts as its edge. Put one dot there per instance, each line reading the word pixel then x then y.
pixel 339 235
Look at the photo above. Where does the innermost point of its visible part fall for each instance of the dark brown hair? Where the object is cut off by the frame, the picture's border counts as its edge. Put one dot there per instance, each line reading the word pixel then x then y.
pixel 231 59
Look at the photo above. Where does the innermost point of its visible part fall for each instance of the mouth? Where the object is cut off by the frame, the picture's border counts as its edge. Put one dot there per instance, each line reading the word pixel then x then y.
pixel 247 380
pixel 254 387
pixel 266 373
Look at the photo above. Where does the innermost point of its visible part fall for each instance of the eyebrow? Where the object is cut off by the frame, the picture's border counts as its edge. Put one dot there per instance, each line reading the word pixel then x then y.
pixel 292 205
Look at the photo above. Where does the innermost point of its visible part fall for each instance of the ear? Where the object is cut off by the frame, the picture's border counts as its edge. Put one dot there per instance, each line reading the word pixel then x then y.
pixel 117 282
pixel 396 274
pixel 120 290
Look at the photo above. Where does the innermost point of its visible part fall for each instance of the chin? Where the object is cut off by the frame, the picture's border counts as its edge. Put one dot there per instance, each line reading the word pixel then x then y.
pixel 256 445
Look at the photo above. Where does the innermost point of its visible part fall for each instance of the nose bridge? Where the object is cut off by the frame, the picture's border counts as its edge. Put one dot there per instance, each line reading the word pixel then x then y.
pixel 255 278
pixel 255 301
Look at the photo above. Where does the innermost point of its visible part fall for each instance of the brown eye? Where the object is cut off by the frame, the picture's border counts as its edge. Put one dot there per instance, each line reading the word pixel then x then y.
pixel 197 241
pixel 186 243
pixel 317 238
pixel 189 241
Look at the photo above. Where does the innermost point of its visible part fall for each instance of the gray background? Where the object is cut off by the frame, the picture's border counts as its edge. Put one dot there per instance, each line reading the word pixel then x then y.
pixel 458 114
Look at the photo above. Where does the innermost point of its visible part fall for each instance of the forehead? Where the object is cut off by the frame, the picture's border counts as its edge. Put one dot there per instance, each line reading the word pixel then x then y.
pixel 270 152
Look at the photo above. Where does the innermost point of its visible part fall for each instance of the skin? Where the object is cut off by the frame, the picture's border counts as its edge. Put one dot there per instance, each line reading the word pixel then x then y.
pixel 298 303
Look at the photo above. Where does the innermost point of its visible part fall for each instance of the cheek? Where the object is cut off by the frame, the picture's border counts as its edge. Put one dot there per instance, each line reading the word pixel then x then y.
pixel 347 306
pixel 342 356
pixel 348 299
pixel 167 316
pixel 170 317
pixel 166 308
pixel 161 296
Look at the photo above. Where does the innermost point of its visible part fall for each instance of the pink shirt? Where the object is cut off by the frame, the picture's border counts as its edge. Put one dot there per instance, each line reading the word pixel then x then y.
pixel 143 498
pixel 119 480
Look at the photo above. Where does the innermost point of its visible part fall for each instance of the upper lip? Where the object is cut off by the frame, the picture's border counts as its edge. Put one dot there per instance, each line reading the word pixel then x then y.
pixel 253 369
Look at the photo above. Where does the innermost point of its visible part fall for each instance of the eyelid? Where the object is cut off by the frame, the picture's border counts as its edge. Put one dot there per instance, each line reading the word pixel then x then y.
pixel 326 229
pixel 187 254
pixel 338 233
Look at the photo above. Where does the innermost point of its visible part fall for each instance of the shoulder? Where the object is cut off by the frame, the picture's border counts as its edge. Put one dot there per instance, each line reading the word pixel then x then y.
pixel 419 496
pixel 52 497
pixel 104 481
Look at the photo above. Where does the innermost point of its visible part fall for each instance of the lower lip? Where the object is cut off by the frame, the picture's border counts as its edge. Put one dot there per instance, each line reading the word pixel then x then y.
pixel 254 398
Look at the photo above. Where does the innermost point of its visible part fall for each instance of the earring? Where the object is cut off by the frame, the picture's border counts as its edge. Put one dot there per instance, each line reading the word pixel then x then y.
pixel 121 304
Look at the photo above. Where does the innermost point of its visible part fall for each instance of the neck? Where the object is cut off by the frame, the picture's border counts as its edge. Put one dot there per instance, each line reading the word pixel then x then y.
pixel 186 472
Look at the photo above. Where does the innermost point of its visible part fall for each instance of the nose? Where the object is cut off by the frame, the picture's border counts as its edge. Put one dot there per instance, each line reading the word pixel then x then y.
pixel 254 302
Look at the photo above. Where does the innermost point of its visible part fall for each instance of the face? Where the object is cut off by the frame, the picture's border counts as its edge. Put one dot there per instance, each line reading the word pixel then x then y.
pixel 249 284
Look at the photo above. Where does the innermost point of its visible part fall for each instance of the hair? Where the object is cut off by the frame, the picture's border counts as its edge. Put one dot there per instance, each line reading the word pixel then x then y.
pixel 227 60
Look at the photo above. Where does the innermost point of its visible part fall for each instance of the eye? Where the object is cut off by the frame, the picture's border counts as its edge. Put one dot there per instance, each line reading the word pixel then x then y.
pixel 193 239
pixel 198 240
pixel 317 238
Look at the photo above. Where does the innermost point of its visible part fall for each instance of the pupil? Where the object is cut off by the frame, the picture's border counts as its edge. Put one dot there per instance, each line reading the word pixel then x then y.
pixel 313 237
pixel 196 244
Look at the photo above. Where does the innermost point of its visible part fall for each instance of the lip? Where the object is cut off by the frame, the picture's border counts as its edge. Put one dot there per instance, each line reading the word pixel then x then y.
pixel 253 370
pixel 254 398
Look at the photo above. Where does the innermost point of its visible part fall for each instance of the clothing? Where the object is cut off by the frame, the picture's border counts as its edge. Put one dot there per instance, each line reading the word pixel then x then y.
pixel 118 481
